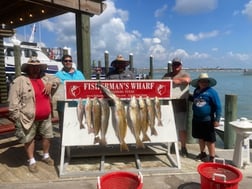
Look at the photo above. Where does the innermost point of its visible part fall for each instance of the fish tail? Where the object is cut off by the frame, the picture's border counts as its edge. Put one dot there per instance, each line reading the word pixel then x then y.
pixel 103 142
pixel 97 140
pixel 90 130
pixel 140 144
pixel 124 147
pixel 154 131
pixel 145 138
pixel 160 123
pixel 82 126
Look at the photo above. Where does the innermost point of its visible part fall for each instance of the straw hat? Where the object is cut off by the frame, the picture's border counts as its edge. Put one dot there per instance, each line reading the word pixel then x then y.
pixel 204 76
pixel 34 62
pixel 120 61
pixel 176 61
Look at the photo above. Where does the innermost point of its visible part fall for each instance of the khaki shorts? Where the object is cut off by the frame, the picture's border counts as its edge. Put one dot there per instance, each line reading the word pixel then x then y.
pixel 43 128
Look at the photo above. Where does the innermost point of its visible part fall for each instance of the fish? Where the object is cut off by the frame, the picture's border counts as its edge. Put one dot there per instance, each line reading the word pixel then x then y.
pixel 96 119
pixel 158 111
pixel 134 121
pixel 88 115
pixel 143 118
pixel 105 112
pixel 151 116
pixel 118 117
pixel 80 113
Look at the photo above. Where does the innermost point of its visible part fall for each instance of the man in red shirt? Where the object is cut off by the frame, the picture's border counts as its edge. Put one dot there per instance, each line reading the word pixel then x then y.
pixel 30 108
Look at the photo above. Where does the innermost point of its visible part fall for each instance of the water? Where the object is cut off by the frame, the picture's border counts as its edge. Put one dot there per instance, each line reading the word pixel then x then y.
pixel 229 83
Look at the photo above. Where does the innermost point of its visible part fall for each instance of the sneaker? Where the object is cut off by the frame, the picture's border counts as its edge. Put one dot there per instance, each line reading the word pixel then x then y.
pixel 201 157
pixel 211 158
pixel 184 152
pixel 48 161
pixel 33 168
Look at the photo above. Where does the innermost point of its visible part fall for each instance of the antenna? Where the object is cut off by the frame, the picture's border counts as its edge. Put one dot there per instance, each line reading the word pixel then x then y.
pixel 31 39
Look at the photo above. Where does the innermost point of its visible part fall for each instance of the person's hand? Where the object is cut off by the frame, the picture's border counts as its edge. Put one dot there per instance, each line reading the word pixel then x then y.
pixel 47 89
pixel 216 124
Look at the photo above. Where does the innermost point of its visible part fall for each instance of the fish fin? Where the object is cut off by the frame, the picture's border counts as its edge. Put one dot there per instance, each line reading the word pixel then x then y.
pixel 154 131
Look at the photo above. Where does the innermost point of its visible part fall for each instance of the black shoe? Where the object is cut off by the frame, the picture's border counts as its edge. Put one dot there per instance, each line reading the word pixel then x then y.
pixel 201 157
pixel 184 152
pixel 172 148
pixel 211 158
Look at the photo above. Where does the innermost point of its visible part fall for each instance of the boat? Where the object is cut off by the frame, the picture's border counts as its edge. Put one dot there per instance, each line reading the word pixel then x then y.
pixel 28 49
pixel 247 72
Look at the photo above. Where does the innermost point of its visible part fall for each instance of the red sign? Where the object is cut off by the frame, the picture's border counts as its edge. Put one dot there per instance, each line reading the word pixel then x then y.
pixel 124 89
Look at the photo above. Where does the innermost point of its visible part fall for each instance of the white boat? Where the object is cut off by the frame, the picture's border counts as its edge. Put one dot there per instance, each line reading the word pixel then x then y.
pixel 28 49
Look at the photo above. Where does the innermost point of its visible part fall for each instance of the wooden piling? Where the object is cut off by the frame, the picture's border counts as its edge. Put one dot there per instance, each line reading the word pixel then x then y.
pixel 131 62
pixel 106 60
pixel 151 67
pixel 230 115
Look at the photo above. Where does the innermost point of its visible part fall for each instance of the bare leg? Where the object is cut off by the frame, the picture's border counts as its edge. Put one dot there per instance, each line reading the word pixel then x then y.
pixel 182 138
pixel 29 148
pixel 202 145
pixel 211 148
pixel 46 145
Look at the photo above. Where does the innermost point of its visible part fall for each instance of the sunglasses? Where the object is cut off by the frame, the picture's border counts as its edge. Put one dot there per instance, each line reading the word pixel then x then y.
pixel 68 61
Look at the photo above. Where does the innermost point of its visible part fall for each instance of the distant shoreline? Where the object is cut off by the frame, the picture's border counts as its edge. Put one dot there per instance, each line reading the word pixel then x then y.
pixel 144 70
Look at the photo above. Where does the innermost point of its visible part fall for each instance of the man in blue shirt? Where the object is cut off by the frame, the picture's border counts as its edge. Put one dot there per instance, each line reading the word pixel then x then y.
pixel 68 72
pixel 206 114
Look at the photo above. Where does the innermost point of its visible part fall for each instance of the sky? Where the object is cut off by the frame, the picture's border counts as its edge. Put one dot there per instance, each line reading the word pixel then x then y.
pixel 203 34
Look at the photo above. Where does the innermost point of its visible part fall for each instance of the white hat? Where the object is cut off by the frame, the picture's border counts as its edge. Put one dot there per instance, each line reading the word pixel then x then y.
pixel 203 76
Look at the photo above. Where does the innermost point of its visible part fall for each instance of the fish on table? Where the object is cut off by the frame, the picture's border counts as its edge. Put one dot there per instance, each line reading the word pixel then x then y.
pixel 151 116
pixel 96 119
pixel 105 113
pixel 119 117
pixel 80 113
pixel 134 121
pixel 158 113
pixel 88 115
pixel 143 114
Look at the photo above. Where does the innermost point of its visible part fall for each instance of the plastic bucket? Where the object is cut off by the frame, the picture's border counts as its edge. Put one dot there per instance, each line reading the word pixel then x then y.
pixel 120 180
pixel 219 176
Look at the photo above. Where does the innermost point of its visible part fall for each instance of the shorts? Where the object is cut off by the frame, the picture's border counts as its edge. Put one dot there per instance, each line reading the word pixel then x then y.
pixel 43 128
pixel 180 120
pixel 203 130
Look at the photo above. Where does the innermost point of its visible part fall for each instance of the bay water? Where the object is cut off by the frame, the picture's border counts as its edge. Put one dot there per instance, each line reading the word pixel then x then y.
pixel 229 82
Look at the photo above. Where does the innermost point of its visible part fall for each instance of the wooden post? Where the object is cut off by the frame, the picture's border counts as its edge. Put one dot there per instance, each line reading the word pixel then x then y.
pixel 131 62
pixel 106 60
pixel 17 56
pixel 83 44
pixel 230 115
pixel 169 67
pixel 151 67
pixel 98 70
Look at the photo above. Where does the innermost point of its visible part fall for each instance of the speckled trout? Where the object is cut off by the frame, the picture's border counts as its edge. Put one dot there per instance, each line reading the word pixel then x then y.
pixel 88 115
pixel 96 119
pixel 151 115
pixel 143 118
pixel 104 120
pixel 118 117
pixel 80 113
pixel 134 121
pixel 158 111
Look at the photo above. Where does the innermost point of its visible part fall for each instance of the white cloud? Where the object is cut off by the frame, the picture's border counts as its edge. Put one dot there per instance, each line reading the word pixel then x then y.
pixel 248 10
pixel 201 35
pixel 160 12
pixel 194 6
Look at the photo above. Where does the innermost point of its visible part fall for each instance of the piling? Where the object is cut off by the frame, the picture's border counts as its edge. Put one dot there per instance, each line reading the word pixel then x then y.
pixel 230 115
pixel 17 56
pixel 106 60
pixel 151 67
pixel 190 139
pixel 131 62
